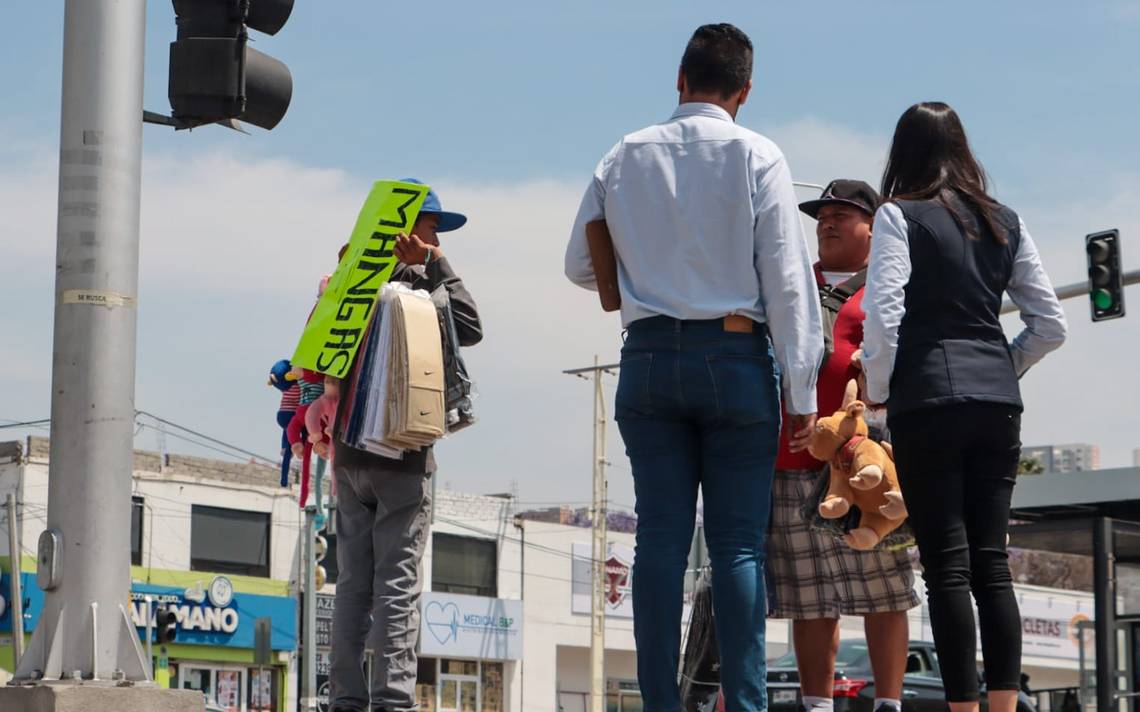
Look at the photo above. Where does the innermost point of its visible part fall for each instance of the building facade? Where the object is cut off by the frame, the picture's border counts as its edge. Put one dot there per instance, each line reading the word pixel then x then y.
pixel 505 614
pixel 214 542
pixel 1071 457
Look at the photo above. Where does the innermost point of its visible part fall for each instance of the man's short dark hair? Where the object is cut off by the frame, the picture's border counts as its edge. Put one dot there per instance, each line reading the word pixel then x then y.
pixel 718 59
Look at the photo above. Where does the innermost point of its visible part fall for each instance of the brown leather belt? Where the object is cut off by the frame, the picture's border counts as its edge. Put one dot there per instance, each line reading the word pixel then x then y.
pixel 739 324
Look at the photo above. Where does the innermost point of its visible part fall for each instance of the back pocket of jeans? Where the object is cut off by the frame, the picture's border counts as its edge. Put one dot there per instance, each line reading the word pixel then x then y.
pixel 745 388
pixel 632 398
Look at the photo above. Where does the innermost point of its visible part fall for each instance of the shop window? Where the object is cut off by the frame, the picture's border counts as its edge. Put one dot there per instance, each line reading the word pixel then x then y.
pixel 469 668
pixel 262 690
pixel 229 541
pixel 136 530
pixel 492 682
pixel 425 684
pixel 464 565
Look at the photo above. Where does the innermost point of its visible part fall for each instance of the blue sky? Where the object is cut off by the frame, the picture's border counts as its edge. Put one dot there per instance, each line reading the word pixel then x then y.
pixel 506 107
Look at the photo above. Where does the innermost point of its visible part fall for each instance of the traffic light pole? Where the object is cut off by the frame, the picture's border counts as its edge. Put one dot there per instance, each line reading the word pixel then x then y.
pixel 1077 289
pixel 309 611
pixel 84 565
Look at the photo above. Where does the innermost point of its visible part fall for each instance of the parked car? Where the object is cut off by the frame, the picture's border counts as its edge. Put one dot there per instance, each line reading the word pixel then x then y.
pixel 854 689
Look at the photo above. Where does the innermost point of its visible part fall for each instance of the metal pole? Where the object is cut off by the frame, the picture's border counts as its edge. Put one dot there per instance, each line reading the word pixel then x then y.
pixel 15 554
pixel 93 360
pixel 1104 585
pixel 598 600
pixel 147 600
pixel 1077 289
pixel 309 643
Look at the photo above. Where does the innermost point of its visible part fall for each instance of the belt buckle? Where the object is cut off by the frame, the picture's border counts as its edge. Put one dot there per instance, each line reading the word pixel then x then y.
pixel 738 324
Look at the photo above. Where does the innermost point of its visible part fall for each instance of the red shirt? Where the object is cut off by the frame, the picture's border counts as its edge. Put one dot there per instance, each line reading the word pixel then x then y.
pixel 833 377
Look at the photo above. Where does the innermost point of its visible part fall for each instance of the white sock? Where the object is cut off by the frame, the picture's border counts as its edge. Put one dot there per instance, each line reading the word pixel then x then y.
pixel 891 704
pixel 813 704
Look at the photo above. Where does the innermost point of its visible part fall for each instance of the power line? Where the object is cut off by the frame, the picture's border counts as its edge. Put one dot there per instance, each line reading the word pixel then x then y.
pixel 25 424
pixel 234 448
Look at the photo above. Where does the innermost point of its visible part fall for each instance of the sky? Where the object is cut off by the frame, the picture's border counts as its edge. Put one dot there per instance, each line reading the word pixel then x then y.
pixel 505 108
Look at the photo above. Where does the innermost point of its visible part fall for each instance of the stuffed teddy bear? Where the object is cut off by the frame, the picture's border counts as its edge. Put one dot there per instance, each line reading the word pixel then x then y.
pixel 862 474
pixel 282 378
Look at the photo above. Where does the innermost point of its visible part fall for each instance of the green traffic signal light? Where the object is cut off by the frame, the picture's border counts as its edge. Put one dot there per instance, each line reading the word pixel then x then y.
pixel 1106 288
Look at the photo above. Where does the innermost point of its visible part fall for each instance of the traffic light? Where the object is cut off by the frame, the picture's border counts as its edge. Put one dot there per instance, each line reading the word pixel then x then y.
pixel 320 548
pixel 165 625
pixel 215 76
pixel 1106 288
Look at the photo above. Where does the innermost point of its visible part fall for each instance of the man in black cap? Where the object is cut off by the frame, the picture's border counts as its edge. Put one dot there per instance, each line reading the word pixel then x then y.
pixel 814 577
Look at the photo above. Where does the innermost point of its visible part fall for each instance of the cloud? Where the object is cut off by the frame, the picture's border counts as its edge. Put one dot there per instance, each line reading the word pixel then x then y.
pixel 232 250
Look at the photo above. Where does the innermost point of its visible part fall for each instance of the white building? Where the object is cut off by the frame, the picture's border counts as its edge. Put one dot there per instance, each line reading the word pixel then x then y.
pixel 214 540
pixel 1070 457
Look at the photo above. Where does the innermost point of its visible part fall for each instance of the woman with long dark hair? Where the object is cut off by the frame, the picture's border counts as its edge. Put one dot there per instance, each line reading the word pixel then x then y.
pixel 943 254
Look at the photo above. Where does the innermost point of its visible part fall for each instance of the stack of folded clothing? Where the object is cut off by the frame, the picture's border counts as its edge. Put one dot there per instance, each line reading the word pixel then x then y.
pixel 415 374
pixel 399 401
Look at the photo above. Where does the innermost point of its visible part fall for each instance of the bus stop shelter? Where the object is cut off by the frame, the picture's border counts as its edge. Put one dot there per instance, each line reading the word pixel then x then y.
pixel 1093 513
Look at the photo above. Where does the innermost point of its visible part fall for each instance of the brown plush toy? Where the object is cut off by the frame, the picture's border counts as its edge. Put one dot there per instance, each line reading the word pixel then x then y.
pixel 862 474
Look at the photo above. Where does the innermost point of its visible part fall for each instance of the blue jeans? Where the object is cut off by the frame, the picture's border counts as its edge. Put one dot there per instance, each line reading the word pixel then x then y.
pixel 699 406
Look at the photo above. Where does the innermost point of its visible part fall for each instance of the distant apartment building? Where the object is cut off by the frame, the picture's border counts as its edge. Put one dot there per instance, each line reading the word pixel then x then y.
pixel 1072 457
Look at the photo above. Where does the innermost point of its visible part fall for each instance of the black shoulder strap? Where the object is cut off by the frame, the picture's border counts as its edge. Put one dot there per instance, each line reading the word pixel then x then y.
pixel 833 298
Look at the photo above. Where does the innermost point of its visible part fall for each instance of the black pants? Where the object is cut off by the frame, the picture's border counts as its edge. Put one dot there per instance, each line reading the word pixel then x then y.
pixel 957 466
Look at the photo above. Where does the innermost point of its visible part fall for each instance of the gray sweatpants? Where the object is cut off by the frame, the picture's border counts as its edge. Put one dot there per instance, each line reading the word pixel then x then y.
pixel 382 526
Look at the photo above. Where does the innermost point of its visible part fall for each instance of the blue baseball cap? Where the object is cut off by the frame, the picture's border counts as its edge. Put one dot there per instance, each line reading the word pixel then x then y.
pixel 447 221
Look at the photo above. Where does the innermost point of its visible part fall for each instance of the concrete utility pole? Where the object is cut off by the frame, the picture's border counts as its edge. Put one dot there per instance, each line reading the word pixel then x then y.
pixel 598 549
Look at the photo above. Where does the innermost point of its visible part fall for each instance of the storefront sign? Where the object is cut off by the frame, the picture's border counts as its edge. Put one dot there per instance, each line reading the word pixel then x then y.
pixel 1050 624
pixel 209 613
pixel 617 576
pixel 220 616
pixel 470 627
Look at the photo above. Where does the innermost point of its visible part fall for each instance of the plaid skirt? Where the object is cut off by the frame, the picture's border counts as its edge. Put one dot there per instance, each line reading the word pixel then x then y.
pixel 812 574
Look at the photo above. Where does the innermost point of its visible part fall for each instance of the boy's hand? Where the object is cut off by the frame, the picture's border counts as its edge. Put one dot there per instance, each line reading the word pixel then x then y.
pixel 411 250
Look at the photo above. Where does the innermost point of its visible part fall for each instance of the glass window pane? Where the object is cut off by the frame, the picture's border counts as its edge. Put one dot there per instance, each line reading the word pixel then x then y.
pixel 469 693
pixel 464 565
pixel 229 690
pixel 448 694
pixel 261 690
pixel 229 541
pixel 492 679
pixel 631 703
pixel 425 671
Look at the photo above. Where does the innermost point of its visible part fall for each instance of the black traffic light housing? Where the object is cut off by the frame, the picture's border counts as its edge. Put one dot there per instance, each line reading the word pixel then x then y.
pixel 1106 286
pixel 165 625
pixel 320 549
pixel 214 74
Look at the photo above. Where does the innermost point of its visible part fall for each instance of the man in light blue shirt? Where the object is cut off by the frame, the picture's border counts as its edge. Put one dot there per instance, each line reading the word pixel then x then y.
pixel 721 307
